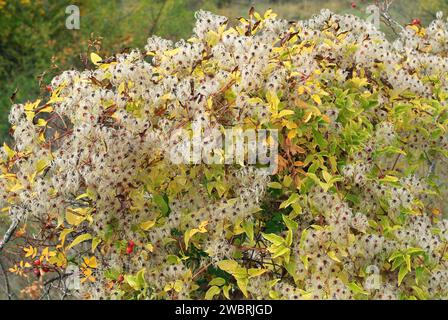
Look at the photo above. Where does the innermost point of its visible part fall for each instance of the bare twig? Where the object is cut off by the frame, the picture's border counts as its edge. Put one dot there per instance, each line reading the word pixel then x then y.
pixel 48 285
pixel 384 7
pixel 204 268
pixel 9 233
pixel 7 286
pixel 154 25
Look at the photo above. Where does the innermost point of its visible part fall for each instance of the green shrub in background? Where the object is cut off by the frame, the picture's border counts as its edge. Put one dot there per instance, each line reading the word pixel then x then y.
pixel 34 39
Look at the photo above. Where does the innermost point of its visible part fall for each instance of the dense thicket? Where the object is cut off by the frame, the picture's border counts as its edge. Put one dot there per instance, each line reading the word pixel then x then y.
pixel 352 211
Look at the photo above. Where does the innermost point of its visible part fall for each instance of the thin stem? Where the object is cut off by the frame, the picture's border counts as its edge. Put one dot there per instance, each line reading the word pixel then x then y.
pixel 9 233
pixel 8 287
pixel 158 17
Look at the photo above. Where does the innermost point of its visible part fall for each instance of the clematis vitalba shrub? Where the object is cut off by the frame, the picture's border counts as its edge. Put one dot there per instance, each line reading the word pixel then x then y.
pixel 353 210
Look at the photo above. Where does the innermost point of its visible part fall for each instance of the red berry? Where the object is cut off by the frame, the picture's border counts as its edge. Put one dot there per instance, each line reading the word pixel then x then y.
pixel 131 243
pixel 120 278
pixel 45 269
pixel 36 262
pixel 354 5
pixel 49 88
pixel 129 250
pixel 36 272
pixel 416 22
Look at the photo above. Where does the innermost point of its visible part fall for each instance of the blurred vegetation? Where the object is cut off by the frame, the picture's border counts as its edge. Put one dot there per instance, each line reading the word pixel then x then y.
pixel 35 44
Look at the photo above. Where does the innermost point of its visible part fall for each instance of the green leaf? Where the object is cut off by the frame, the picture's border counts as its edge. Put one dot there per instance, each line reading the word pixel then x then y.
pixel 318 137
pixel 275 239
pixel 389 178
pixel 255 272
pixel 147 225
pixel 248 227
pixel 132 281
pixel 141 277
pixel 188 235
pixel 302 238
pixel 402 273
pixel 290 224
pixel 291 267
pixel 217 282
pixel 273 101
pixel 289 237
pixel 281 251
pixel 242 284
pixel 326 176
pixel 397 263
pixel 228 265
pixel 297 209
pixel 275 185
pixel 112 274
pixel 42 164
pixel 420 293
pixel 407 258
pixel 211 292
pixel 395 255
pixel 304 259
pixel 414 250
pixel 357 289
pixel 293 198
pixel 392 149
pixel 95 242
pixel 419 272
pixel 333 256
pixel 226 290
pixel 160 201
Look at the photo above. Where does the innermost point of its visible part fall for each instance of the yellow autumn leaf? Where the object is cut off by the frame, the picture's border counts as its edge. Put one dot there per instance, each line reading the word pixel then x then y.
pixel 74 217
pixel 59 259
pixel 273 101
pixel 178 285
pixel 41 122
pixel 333 256
pixel 30 252
pixel 46 109
pixel 16 187
pixel 316 99
pixel 90 262
pixel 63 235
pixel 212 38
pixel 46 254
pixel 79 239
pixel 359 82
pixel 42 164
pixel 88 275
pixel 147 224
pixel 202 226
pixel 95 58
pixel 95 242
pixel 121 87
pixel 8 150
pixel 285 113
pixel 170 53
pixel 307 117
pixel 190 233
